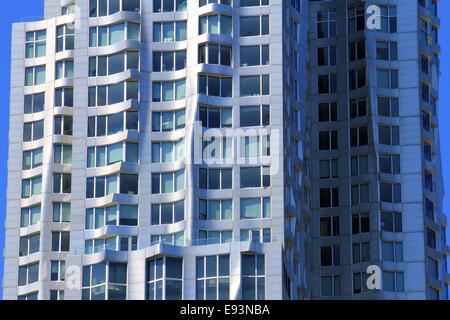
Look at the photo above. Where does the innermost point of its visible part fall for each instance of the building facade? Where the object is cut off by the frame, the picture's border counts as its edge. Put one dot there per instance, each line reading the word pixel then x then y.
pixel 247 149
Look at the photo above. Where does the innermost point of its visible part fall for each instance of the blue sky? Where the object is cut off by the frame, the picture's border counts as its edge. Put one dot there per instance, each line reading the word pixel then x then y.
pixel 26 10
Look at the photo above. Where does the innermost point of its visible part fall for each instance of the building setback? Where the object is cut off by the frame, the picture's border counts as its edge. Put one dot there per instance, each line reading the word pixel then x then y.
pixel 247 149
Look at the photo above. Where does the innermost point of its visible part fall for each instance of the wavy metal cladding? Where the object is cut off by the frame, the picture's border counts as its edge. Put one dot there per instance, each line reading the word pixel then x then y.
pixel 111 195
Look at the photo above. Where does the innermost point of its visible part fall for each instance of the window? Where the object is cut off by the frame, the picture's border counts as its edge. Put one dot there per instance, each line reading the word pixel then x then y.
pixel 431 238
pixel 215 24
pixel 100 8
pixel 359 165
pixel 121 215
pixel 387 79
pixel 329 197
pixel 253 277
pixel 100 66
pixel 62 154
pixel 425 64
pixel 433 267
pixel 327 112
pixel 169 90
pixel 330 286
pixel 391 192
pixel 35 44
pixel 426 92
pixel 108 125
pixel 360 282
pixel 30 296
pixel 428 178
pixel 389 135
pixel 387 51
pixel 360 223
pixel 426 121
pixel 216 149
pixel 429 208
pixel 357 78
pixel 30 216
pixel 63 97
pixel 393 281
pixel 215 86
pixel 255 208
pixel 168 121
pixel 253 3
pixel 164 279
pixel 169 31
pixel 32 159
pixel 61 212
pixel 65 10
pixel 388 19
pixel 63 125
pixel 60 241
pixel 388 107
pixel 29 245
pixel 254 55
pixel 65 37
pixel 255 177
pixel 215 210
pixel 327 83
pixel 101 156
pixel 56 295
pixel 326 56
pixel 114 243
pixel 58 270
pixel 163 152
pixel 169 60
pixel 213 277
pixel 359 137
pixel 254 25
pixel 326 24
pixel 64 69
pixel 174 239
pixel 252 146
pixel 100 96
pixel 389 163
pixel 361 252
pixel 98 187
pixel 108 35
pixel 34 103
pixel 262 235
pixel 167 213
pixel 213 117
pixel 360 194
pixel 357 50
pixel 34 75
pixel 214 237
pixel 28 274
pixel 255 116
pixel 167 182
pixel 330 255
pixel 329 226
pixel 169 5
pixel 356 19
pixel 215 179
pixel 214 53
pixel 62 183
pixel 358 108
pixel 328 140
pixel 105 281
pixel 392 251
pixel 328 168
pixel 31 187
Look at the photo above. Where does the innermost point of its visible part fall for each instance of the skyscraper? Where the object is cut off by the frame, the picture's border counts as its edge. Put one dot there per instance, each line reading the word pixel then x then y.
pixel 247 149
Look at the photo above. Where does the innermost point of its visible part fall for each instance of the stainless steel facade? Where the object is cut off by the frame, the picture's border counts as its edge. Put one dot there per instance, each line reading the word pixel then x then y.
pixel 324 161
